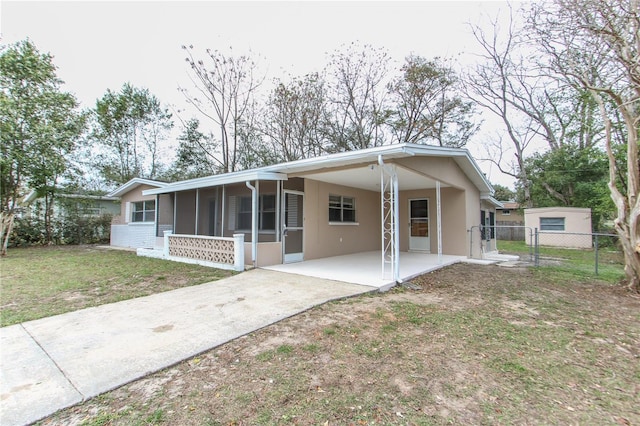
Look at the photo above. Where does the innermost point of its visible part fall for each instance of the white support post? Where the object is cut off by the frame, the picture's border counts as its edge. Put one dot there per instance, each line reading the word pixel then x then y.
pixel 382 216
pixel 238 252
pixel 396 223
pixel 175 210
pixel 223 208
pixel 195 226
pixel 278 207
pixel 254 223
pixel 390 219
pixel 439 221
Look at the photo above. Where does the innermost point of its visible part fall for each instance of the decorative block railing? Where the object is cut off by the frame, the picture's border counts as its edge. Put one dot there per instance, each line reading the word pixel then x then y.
pixel 221 251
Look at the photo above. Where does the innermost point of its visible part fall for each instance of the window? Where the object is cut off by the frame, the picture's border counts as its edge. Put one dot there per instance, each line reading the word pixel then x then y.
pixel 506 212
pixel 552 223
pixel 244 213
pixel 144 211
pixel 266 212
pixel 342 209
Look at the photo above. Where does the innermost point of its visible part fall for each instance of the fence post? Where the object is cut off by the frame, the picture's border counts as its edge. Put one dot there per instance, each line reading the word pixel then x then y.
pixel 596 246
pixel 537 248
pixel 238 252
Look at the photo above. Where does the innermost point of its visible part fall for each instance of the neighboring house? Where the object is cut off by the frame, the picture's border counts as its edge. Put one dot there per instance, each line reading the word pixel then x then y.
pixel 510 222
pixel 135 223
pixel 80 204
pixel 390 199
pixel 560 226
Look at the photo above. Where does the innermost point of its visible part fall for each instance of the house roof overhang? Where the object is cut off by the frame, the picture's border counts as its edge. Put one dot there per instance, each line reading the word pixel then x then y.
pixel 341 166
pixel 492 201
pixel 218 180
pixel 134 183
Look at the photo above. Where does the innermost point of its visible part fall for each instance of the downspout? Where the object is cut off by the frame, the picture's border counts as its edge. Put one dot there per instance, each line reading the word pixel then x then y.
pixel 254 223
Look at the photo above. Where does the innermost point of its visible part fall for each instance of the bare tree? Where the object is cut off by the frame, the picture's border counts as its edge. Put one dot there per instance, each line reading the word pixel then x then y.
pixel 494 86
pixel 357 108
pixel 293 116
pixel 226 86
pixel 596 45
pixel 533 103
pixel 428 104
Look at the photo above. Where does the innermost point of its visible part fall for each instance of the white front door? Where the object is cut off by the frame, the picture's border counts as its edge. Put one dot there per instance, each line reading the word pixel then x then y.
pixel 292 226
pixel 419 225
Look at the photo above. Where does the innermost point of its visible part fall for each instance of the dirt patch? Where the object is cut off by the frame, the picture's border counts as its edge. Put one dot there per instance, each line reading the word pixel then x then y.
pixel 476 344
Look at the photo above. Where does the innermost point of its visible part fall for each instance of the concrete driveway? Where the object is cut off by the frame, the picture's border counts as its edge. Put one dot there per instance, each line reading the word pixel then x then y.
pixel 56 362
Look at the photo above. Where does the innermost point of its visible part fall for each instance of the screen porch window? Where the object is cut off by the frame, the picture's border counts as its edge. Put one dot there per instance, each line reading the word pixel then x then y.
pixel 342 209
pixel 144 211
pixel 266 212
pixel 552 223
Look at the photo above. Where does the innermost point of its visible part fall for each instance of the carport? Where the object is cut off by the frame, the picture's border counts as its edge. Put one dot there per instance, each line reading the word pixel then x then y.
pixel 365 268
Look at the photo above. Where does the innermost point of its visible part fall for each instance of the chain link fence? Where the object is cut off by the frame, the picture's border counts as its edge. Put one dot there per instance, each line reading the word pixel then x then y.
pixel 547 248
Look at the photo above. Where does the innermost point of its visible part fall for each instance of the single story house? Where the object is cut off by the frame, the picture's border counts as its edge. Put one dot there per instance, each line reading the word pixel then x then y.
pixel 393 200
pixel 510 222
pixel 560 226
pixel 80 204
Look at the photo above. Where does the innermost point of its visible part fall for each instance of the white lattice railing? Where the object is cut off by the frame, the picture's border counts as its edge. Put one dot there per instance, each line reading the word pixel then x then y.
pixel 221 251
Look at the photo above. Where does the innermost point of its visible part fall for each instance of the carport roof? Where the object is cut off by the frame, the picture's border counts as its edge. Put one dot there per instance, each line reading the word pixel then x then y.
pixel 333 161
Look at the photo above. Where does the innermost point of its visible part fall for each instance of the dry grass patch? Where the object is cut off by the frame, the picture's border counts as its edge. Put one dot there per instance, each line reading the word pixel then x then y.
pixel 477 345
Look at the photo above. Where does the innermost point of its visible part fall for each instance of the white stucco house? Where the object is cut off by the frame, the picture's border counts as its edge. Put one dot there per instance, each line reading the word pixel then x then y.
pixel 399 201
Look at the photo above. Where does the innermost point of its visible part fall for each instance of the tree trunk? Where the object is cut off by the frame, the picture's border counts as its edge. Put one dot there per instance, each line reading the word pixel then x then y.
pixel 628 207
pixel 6 227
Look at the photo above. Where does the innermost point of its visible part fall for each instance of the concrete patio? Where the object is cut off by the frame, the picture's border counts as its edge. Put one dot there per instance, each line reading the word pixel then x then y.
pixel 366 268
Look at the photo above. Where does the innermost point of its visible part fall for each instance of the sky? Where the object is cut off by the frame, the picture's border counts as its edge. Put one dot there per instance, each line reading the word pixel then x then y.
pixel 101 45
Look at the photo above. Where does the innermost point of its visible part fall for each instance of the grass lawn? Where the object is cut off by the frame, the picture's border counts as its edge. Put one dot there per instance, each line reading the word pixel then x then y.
pixel 43 281
pixel 564 263
pixel 475 345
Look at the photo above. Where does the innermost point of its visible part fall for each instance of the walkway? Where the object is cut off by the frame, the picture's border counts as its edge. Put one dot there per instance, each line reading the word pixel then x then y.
pixel 56 362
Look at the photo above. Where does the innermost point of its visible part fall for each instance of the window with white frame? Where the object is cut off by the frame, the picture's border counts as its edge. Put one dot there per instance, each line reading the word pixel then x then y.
pixel 506 212
pixel 342 209
pixel 552 223
pixel 143 211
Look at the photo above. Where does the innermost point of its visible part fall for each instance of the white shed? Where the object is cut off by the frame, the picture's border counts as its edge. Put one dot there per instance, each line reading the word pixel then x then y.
pixel 560 226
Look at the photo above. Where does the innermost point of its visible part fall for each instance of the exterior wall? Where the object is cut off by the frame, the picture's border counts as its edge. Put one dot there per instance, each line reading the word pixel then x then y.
pixel 488 243
pixel 515 216
pixel 125 233
pixel 453 212
pixel 136 235
pixel 322 239
pixel 268 254
pixel 576 220
pixel 467 201
pixel 131 197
